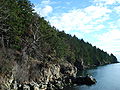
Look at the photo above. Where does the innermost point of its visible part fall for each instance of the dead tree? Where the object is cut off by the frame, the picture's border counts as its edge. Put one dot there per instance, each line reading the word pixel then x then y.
pixel 34 29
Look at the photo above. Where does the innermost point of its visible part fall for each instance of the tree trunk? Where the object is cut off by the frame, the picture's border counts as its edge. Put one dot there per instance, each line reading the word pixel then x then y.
pixel 3 45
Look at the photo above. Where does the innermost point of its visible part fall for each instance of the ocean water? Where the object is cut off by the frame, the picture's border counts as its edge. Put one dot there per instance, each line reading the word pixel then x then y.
pixel 107 76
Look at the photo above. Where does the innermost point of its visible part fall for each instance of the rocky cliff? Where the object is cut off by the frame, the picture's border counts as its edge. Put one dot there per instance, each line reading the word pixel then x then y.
pixel 35 55
pixel 34 74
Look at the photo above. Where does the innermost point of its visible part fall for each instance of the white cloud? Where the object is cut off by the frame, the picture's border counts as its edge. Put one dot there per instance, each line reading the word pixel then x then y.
pixel 45 2
pixel 46 10
pixel 79 35
pixel 117 9
pixel 81 19
pixel 110 36
pixel 107 2
pixel 110 42
pixel 45 7
pixel 96 11
pixel 99 27
pixel 49 2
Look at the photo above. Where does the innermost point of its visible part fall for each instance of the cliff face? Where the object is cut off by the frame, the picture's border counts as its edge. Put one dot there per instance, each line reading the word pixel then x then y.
pixel 34 74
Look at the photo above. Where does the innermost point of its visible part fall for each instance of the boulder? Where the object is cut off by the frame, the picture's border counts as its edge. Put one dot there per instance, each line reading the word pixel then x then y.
pixel 26 87
pixel 87 80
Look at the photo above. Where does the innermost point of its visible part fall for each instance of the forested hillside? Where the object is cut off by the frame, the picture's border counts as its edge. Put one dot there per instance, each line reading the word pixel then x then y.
pixel 26 36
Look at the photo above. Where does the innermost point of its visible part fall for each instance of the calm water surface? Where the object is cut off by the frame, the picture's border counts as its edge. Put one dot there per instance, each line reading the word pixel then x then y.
pixel 108 78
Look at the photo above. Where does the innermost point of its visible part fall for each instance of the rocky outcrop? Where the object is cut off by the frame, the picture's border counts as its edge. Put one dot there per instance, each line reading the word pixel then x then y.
pixel 79 64
pixel 11 84
pixel 38 75
pixel 87 80
pixel 34 74
pixel 81 80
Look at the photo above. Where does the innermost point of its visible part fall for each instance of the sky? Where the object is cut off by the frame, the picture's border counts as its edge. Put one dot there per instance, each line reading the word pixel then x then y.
pixel 95 21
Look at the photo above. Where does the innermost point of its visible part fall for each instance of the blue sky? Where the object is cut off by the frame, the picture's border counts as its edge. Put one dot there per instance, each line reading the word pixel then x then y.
pixel 96 21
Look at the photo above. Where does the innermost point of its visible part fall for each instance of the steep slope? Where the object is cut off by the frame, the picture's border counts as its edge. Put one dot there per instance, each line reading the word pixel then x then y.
pixel 32 52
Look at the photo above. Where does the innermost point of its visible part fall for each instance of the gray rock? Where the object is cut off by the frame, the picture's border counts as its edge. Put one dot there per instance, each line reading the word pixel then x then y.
pixel 88 80
pixel 26 87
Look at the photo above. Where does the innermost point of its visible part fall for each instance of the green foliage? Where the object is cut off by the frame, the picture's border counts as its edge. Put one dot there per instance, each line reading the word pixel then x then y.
pixel 19 15
pixel 29 29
